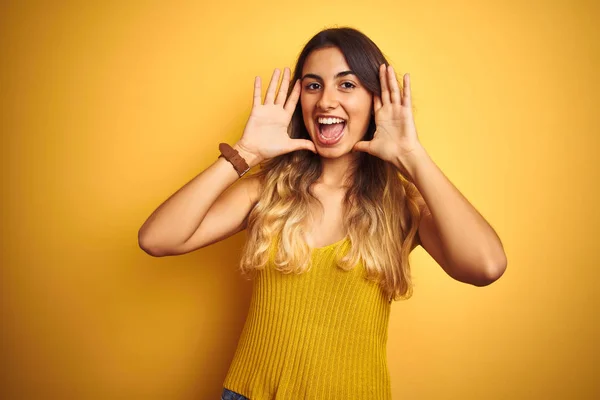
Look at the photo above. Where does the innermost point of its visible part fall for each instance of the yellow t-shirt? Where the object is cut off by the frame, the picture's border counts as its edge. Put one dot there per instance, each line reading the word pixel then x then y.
pixel 321 334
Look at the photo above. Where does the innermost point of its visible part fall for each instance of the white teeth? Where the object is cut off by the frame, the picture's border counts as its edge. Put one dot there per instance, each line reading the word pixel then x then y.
pixel 330 121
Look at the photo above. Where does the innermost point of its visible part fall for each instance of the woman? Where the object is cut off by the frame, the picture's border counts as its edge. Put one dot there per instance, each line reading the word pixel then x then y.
pixel 346 191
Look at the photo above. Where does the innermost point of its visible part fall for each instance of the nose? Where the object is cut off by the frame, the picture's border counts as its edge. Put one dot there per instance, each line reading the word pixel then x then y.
pixel 328 99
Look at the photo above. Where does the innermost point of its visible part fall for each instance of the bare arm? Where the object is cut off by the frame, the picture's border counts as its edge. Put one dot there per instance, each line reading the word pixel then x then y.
pixel 451 230
pixel 207 209
pixel 211 207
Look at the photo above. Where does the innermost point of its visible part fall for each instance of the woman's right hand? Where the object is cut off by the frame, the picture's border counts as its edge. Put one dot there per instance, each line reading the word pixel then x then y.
pixel 265 135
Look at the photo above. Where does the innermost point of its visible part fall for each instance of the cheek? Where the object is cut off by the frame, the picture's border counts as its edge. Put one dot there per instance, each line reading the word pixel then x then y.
pixel 307 110
pixel 361 110
pixel 303 105
pixel 360 116
pixel 306 102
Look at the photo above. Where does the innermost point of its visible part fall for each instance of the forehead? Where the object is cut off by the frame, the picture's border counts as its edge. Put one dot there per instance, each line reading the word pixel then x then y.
pixel 325 62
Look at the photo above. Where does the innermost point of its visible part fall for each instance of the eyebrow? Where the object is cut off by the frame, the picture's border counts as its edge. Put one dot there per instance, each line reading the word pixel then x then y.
pixel 338 75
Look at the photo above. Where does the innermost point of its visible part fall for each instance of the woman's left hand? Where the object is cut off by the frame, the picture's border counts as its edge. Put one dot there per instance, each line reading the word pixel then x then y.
pixel 395 136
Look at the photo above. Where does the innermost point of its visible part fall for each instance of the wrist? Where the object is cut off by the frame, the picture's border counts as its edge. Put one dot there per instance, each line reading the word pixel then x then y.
pixel 410 161
pixel 250 158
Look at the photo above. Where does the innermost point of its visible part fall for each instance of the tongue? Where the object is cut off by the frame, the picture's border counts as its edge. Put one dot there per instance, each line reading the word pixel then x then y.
pixel 332 130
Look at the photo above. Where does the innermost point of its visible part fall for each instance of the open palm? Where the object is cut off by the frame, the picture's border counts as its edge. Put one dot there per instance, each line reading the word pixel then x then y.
pixel 266 132
pixel 396 134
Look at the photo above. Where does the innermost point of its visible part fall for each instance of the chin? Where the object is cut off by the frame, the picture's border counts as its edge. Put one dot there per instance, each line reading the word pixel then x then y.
pixel 332 152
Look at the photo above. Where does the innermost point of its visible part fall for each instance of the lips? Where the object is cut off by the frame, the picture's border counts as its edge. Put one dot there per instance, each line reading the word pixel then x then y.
pixel 328 116
pixel 329 141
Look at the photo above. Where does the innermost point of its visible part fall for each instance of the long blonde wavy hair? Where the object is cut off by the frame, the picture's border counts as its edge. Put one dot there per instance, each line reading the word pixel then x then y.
pixel 381 206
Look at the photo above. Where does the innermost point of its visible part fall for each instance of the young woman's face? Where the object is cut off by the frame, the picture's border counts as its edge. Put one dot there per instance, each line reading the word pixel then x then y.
pixel 330 89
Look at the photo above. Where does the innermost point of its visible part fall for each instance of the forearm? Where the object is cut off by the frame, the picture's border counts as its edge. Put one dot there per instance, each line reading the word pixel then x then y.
pixel 469 243
pixel 176 220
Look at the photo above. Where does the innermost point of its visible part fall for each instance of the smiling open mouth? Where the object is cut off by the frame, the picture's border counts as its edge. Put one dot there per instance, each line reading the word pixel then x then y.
pixel 330 130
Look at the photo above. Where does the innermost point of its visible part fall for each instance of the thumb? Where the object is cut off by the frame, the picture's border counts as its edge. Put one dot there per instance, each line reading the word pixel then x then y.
pixel 363 145
pixel 303 144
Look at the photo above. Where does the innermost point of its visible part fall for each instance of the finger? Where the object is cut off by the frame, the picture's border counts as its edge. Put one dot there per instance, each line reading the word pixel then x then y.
pixel 385 94
pixel 362 146
pixel 256 98
pixel 406 98
pixel 376 103
pixel 290 105
pixel 301 144
pixel 285 83
pixel 272 86
pixel 393 85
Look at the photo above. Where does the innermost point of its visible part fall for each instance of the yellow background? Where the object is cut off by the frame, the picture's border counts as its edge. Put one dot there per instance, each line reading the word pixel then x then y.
pixel 107 109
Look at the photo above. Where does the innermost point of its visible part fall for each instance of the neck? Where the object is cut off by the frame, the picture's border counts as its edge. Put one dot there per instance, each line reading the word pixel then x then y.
pixel 335 170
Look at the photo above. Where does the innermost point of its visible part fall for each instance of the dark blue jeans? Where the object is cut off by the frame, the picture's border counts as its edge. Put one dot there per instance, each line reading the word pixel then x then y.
pixel 231 395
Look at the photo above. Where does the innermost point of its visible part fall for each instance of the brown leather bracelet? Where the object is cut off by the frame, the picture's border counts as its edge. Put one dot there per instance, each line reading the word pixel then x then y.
pixel 232 155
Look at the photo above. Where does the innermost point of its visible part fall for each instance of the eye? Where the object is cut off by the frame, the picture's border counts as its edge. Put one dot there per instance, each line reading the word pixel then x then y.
pixel 345 85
